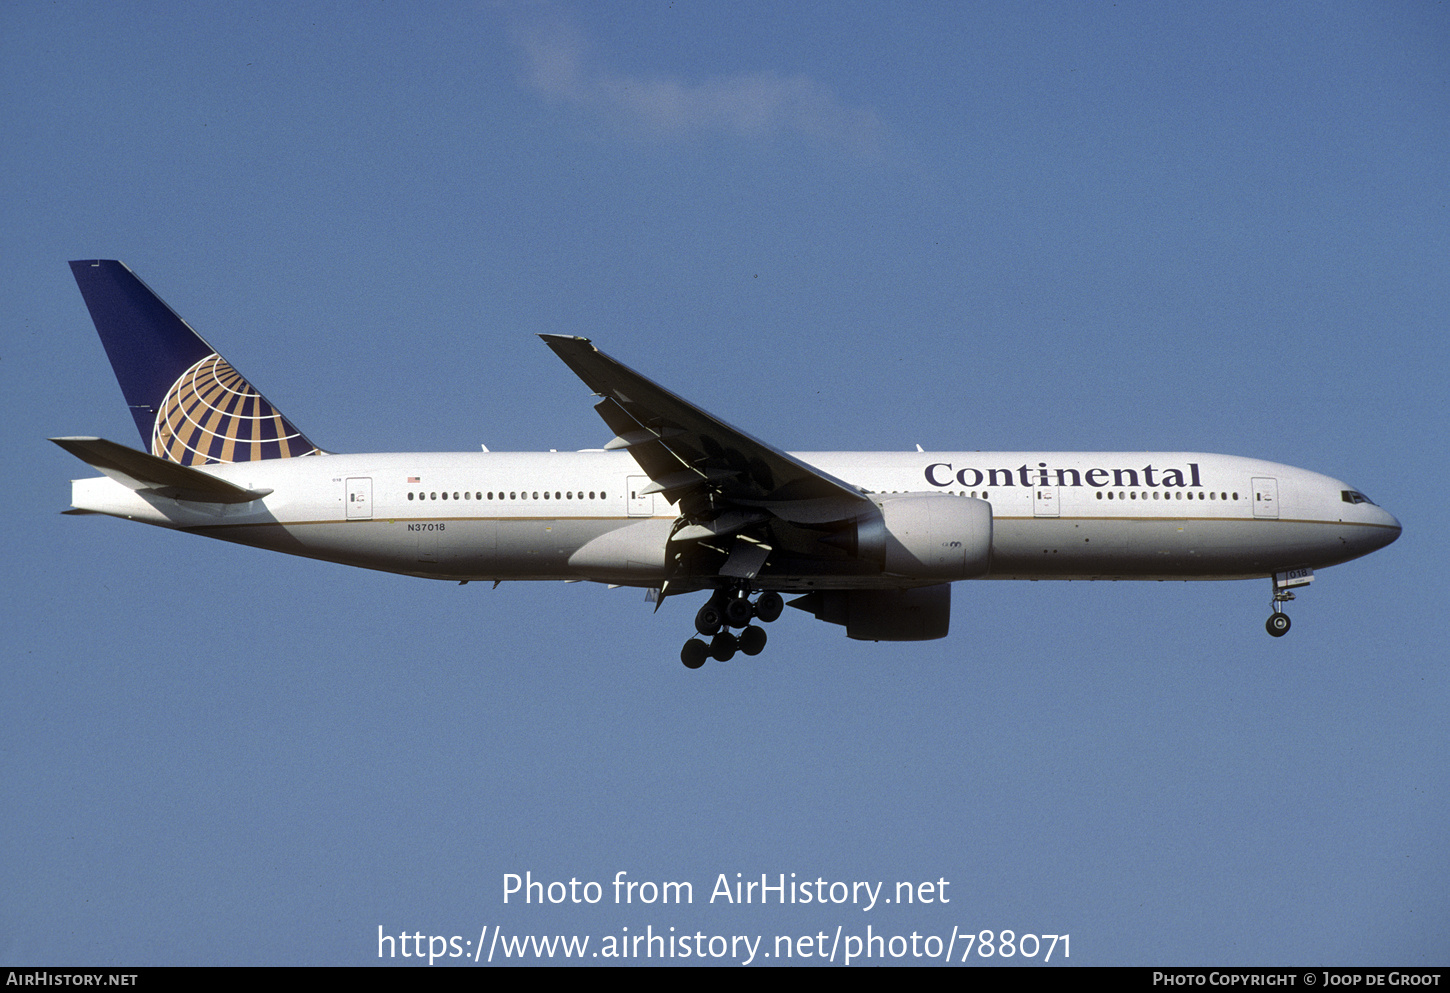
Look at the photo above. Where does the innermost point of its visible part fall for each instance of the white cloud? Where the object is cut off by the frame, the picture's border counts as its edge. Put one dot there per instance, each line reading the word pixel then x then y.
pixel 760 106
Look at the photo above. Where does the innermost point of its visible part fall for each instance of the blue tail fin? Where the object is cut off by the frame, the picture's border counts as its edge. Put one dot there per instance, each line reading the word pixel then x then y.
pixel 190 405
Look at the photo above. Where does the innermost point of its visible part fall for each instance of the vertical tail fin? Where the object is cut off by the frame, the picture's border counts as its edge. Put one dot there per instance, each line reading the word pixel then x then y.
pixel 190 405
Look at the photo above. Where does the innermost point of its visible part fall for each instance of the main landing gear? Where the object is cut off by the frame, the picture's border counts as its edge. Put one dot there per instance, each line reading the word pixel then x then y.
pixel 728 609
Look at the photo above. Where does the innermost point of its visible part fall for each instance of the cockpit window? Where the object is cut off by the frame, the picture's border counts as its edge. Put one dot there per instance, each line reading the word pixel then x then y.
pixel 1352 496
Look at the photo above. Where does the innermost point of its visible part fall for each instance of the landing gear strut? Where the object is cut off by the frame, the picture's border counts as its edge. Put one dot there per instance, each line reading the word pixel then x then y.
pixel 728 609
pixel 1278 622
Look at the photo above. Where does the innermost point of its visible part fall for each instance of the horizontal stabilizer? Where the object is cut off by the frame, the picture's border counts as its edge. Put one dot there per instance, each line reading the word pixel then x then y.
pixel 139 471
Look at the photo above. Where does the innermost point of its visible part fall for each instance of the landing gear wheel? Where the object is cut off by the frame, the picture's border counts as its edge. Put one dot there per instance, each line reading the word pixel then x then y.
pixel 694 653
pixel 738 612
pixel 709 618
pixel 723 646
pixel 769 606
pixel 752 640
pixel 1277 624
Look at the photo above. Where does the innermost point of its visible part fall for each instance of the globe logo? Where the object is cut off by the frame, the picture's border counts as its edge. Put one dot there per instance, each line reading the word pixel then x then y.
pixel 211 414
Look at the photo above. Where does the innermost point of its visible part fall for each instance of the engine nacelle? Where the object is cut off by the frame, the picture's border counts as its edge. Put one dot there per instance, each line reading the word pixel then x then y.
pixel 928 536
pixel 920 614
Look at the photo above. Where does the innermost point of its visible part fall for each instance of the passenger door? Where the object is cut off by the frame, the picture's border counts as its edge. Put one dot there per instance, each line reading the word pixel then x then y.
pixel 640 504
pixel 1266 498
pixel 360 499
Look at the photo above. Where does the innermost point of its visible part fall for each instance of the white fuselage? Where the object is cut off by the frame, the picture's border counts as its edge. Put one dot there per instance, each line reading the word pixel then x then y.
pixel 584 515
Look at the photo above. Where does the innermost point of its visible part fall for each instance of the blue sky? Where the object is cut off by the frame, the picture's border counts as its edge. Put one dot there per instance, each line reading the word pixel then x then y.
pixel 988 226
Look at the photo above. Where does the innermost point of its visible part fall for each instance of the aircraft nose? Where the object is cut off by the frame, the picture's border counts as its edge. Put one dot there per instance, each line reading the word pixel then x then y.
pixel 1391 526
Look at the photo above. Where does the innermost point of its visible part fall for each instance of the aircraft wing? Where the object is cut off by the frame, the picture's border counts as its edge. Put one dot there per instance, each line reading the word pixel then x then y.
pixel 721 477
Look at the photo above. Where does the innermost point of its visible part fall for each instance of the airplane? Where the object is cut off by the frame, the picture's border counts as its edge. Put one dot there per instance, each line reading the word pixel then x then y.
pixel 680 502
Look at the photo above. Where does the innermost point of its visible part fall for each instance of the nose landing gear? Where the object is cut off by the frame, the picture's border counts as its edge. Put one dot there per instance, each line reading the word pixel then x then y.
pixel 728 609
pixel 1278 622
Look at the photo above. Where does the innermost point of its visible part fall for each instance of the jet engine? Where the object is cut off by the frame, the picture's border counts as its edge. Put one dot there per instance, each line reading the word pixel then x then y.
pixel 926 536
pixel 920 614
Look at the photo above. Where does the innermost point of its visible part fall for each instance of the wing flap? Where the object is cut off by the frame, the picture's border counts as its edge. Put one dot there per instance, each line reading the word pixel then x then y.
pixel 746 559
